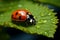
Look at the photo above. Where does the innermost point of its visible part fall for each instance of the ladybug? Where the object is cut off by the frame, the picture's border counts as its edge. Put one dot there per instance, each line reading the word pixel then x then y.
pixel 23 16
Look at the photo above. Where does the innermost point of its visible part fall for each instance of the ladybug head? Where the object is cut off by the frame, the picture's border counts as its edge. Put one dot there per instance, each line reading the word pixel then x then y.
pixel 31 20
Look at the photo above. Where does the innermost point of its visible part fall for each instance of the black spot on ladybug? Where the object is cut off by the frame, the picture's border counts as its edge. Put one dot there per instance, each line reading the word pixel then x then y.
pixel 27 12
pixel 16 13
pixel 19 17
pixel 13 17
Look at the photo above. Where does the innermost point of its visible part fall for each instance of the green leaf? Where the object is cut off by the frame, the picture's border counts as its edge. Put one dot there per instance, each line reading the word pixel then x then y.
pixel 46 19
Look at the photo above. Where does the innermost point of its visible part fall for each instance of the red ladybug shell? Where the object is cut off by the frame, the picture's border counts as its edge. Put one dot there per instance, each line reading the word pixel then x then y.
pixel 19 15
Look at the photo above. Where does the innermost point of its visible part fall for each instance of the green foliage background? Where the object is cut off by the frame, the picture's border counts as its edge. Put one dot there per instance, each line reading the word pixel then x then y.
pixel 46 19
pixel 52 2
